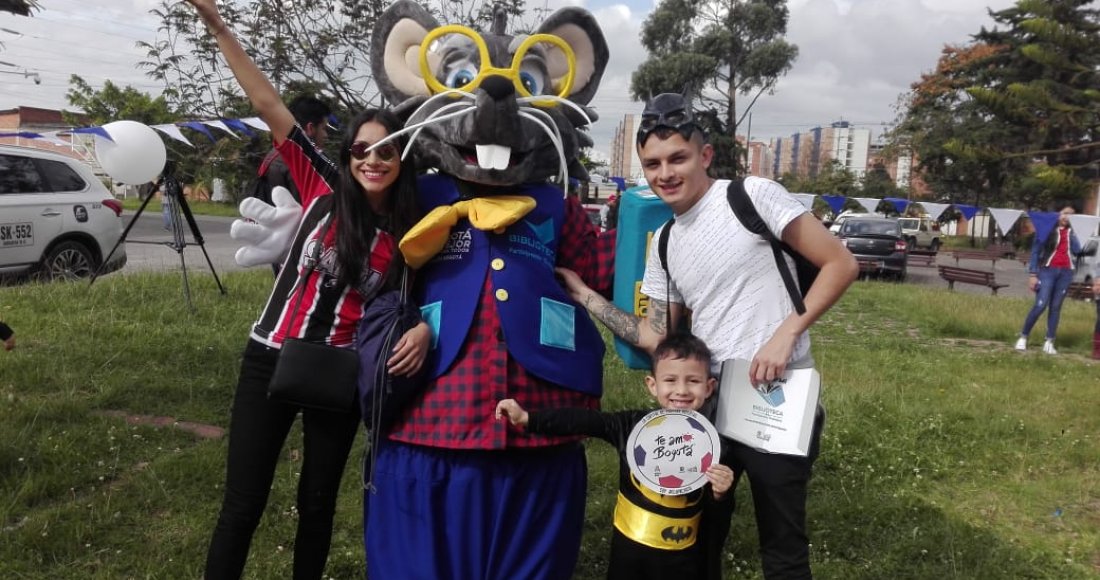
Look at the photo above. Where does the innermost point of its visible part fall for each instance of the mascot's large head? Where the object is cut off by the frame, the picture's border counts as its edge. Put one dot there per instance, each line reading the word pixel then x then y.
pixel 491 108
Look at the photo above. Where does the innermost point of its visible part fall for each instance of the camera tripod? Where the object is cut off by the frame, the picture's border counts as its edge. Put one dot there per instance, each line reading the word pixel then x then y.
pixel 176 211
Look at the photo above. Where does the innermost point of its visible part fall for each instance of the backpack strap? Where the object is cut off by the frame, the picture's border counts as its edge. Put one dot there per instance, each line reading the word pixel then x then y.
pixel 662 253
pixel 745 212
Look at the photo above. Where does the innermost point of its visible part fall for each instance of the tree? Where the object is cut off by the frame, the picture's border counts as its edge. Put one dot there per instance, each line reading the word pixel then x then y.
pixel 716 51
pixel 19 7
pixel 878 183
pixel 1012 116
pixel 112 103
pixel 317 47
pixel 832 179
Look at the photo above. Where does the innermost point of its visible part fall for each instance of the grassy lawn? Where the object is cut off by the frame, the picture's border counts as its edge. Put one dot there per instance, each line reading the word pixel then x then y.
pixel 215 208
pixel 947 454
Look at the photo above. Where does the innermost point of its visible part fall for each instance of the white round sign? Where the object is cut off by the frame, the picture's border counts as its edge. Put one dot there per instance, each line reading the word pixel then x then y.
pixel 670 450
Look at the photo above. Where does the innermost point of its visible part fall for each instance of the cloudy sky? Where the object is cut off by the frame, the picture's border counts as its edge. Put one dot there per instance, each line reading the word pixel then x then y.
pixel 855 56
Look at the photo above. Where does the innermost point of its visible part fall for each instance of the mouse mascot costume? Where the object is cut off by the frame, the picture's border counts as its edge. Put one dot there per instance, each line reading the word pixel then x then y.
pixel 459 494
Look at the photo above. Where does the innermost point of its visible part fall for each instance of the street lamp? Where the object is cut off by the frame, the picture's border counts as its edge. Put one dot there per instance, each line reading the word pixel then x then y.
pixel 26 74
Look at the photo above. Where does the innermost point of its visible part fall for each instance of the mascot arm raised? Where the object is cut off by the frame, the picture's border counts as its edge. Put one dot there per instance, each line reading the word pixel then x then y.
pixel 267 231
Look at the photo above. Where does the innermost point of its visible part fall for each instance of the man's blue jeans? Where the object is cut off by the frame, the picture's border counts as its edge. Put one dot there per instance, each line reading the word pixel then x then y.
pixel 1053 284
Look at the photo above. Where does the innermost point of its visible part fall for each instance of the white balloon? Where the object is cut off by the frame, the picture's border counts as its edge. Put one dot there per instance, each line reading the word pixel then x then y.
pixel 136 155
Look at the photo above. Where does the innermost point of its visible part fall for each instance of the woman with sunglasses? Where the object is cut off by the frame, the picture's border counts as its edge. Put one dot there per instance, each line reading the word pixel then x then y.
pixel 359 208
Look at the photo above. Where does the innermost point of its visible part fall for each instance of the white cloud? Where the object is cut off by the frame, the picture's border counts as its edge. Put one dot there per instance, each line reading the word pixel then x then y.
pixel 855 56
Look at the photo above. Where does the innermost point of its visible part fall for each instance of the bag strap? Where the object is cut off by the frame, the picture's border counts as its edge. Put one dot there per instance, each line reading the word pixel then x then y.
pixel 662 253
pixel 745 212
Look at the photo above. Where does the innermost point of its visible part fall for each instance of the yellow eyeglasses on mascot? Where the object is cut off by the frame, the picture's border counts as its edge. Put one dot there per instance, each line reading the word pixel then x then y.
pixel 459 494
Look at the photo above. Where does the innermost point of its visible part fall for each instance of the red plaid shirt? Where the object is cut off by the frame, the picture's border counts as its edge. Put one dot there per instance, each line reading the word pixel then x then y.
pixel 605 263
pixel 456 410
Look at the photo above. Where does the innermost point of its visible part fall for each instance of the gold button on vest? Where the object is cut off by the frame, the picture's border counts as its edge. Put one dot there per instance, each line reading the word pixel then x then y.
pixel 502 295
pixel 497 264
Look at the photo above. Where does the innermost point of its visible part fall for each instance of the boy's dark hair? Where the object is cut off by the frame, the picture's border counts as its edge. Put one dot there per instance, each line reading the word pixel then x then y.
pixel 681 345
pixel 307 109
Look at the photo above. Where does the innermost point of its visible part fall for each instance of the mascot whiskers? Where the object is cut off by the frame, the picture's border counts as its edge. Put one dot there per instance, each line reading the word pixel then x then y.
pixel 494 118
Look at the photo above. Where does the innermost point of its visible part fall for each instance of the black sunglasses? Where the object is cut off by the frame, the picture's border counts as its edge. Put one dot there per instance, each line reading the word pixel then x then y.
pixel 361 150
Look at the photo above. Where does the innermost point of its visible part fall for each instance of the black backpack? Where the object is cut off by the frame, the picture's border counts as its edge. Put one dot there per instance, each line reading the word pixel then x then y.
pixel 746 213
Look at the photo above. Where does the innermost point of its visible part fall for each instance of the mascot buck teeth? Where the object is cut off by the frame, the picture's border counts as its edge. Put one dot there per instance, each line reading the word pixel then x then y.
pixel 458 494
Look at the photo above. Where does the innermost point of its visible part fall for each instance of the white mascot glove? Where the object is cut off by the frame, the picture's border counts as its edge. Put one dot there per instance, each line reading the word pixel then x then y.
pixel 267 231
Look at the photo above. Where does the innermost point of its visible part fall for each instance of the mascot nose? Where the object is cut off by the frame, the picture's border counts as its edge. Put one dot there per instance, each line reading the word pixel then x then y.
pixel 498 87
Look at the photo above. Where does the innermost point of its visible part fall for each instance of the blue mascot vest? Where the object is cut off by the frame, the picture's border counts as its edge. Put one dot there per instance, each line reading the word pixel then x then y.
pixel 545 331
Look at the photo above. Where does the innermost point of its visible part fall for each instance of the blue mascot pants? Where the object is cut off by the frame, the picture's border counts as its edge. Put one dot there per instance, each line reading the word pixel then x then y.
pixel 439 514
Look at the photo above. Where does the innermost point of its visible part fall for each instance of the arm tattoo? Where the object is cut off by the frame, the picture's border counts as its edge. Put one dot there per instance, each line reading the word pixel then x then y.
pixel 623 324
pixel 657 316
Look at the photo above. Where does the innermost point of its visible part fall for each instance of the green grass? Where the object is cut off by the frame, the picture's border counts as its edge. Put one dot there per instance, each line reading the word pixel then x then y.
pixel 946 455
pixel 215 208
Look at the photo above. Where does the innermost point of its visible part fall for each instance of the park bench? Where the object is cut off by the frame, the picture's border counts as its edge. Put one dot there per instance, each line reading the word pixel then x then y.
pixel 976 255
pixel 967 276
pixel 921 259
pixel 1080 291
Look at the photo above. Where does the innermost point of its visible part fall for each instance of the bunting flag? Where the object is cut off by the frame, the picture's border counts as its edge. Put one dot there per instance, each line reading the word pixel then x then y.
pixel 807 199
pixel 238 125
pixel 256 123
pixel 97 131
pixel 201 128
pixel 1005 218
pixel 968 211
pixel 1084 225
pixel 868 203
pixel 173 132
pixel 233 127
pixel 836 202
pixel 934 210
pixel 220 125
pixel 898 203
pixel 1043 222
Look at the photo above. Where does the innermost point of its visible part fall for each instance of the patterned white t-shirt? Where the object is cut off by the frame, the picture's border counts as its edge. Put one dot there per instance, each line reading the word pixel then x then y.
pixel 725 274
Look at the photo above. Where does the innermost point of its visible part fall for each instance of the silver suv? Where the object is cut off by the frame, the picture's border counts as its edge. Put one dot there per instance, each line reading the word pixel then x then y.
pixel 57 220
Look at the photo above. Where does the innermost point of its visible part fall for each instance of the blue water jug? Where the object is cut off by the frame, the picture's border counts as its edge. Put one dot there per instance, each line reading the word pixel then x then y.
pixel 641 212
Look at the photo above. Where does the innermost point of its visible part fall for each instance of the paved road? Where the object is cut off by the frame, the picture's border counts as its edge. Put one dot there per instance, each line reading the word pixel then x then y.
pixel 146 249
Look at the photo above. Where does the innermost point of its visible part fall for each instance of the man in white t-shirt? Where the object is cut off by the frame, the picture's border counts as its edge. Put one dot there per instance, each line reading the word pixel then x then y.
pixel 726 278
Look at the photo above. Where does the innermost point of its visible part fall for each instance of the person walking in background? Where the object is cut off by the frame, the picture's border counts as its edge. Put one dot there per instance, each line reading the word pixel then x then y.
pixel 1050 272
pixel 335 268
pixel 1096 301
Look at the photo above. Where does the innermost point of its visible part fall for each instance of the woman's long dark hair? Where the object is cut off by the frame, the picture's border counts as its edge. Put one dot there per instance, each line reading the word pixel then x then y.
pixel 352 211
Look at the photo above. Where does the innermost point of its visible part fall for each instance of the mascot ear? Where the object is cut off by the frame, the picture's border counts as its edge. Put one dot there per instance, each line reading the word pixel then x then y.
pixel 395 50
pixel 578 28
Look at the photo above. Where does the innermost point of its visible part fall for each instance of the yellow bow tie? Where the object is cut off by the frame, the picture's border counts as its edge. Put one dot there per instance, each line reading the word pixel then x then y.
pixel 430 234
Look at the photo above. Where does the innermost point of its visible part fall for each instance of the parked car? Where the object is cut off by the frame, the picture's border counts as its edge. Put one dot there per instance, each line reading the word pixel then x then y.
pixel 921 232
pixel 1086 261
pixel 839 220
pixel 877 244
pixel 57 219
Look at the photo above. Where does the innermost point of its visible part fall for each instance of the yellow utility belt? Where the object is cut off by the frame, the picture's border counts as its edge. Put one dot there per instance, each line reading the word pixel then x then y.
pixel 655 530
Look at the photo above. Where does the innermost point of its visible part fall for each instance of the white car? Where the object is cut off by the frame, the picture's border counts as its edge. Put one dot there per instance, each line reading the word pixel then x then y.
pixel 57 220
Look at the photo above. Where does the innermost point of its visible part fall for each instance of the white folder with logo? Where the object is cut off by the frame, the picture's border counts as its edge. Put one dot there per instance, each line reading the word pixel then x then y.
pixel 777 417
